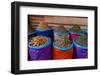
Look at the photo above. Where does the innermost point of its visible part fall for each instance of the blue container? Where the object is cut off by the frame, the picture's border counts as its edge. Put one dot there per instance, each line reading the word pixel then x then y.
pixel 80 51
pixel 43 52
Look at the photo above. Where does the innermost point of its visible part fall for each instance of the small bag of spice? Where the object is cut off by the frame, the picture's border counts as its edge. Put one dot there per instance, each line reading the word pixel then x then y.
pixel 63 49
pixel 40 48
pixel 80 44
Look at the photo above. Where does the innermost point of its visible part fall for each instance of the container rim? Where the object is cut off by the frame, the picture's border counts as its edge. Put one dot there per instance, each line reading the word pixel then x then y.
pixel 79 45
pixel 43 29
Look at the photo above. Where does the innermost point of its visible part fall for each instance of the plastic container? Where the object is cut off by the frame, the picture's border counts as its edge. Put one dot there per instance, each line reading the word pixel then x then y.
pixel 47 33
pixel 62 53
pixel 43 52
pixel 80 51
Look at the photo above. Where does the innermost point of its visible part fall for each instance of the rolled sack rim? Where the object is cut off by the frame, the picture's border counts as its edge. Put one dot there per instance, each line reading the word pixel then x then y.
pixel 42 30
pixel 78 33
pixel 40 47
pixel 63 49
pixel 33 32
pixel 83 47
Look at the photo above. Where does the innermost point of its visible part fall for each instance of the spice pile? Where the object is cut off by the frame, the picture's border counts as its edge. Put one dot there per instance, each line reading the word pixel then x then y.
pixel 62 43
pixel 60 30
pixel 75 29
pixel 39 41
pixel 82 40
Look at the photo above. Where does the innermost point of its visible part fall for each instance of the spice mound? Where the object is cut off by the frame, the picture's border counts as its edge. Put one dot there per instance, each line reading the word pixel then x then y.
pixel 82 40
pixel 62 43
pixel 39 41
pixel 60 29
pixel 75 28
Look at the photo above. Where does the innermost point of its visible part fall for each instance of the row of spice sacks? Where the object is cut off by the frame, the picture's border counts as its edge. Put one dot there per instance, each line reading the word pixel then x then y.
pixel 57 43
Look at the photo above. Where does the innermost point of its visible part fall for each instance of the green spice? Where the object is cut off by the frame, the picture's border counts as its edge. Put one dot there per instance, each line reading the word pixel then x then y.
pixel 75 28
pixel 60 30
pixel 82 40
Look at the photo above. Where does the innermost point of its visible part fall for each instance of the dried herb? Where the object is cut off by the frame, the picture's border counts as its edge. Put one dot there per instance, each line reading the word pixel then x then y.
pixel 39 40
pixel 75 29
pixel 60 30
pixel 82 40
pixel 62 43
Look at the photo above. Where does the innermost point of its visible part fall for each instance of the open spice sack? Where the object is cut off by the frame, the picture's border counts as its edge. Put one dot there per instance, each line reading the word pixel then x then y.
pixel 63 49
pixel 40 48
pixel 80 45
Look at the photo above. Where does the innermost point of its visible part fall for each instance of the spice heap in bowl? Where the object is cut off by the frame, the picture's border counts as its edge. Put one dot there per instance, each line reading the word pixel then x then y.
pixel 39 41
pixel 62 42
pixel 60 31
pixel 75 29
pixel 82 40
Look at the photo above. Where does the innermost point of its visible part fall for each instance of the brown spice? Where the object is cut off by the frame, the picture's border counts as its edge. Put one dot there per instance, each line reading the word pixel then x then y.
pixel 62 43
pixel 39 40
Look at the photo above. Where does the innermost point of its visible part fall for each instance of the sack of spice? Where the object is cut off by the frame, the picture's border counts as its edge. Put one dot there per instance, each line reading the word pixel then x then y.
pixel 63 49
pixel 40 48
pixel 80 45
pixel 60 31
pixel 44 30
pixel 74 32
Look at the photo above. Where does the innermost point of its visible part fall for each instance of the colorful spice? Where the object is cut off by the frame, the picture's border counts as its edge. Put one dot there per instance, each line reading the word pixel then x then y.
pixel 39 41
pixel 75 29
pixel 60 29
pixel 82 40
pixel 62 43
